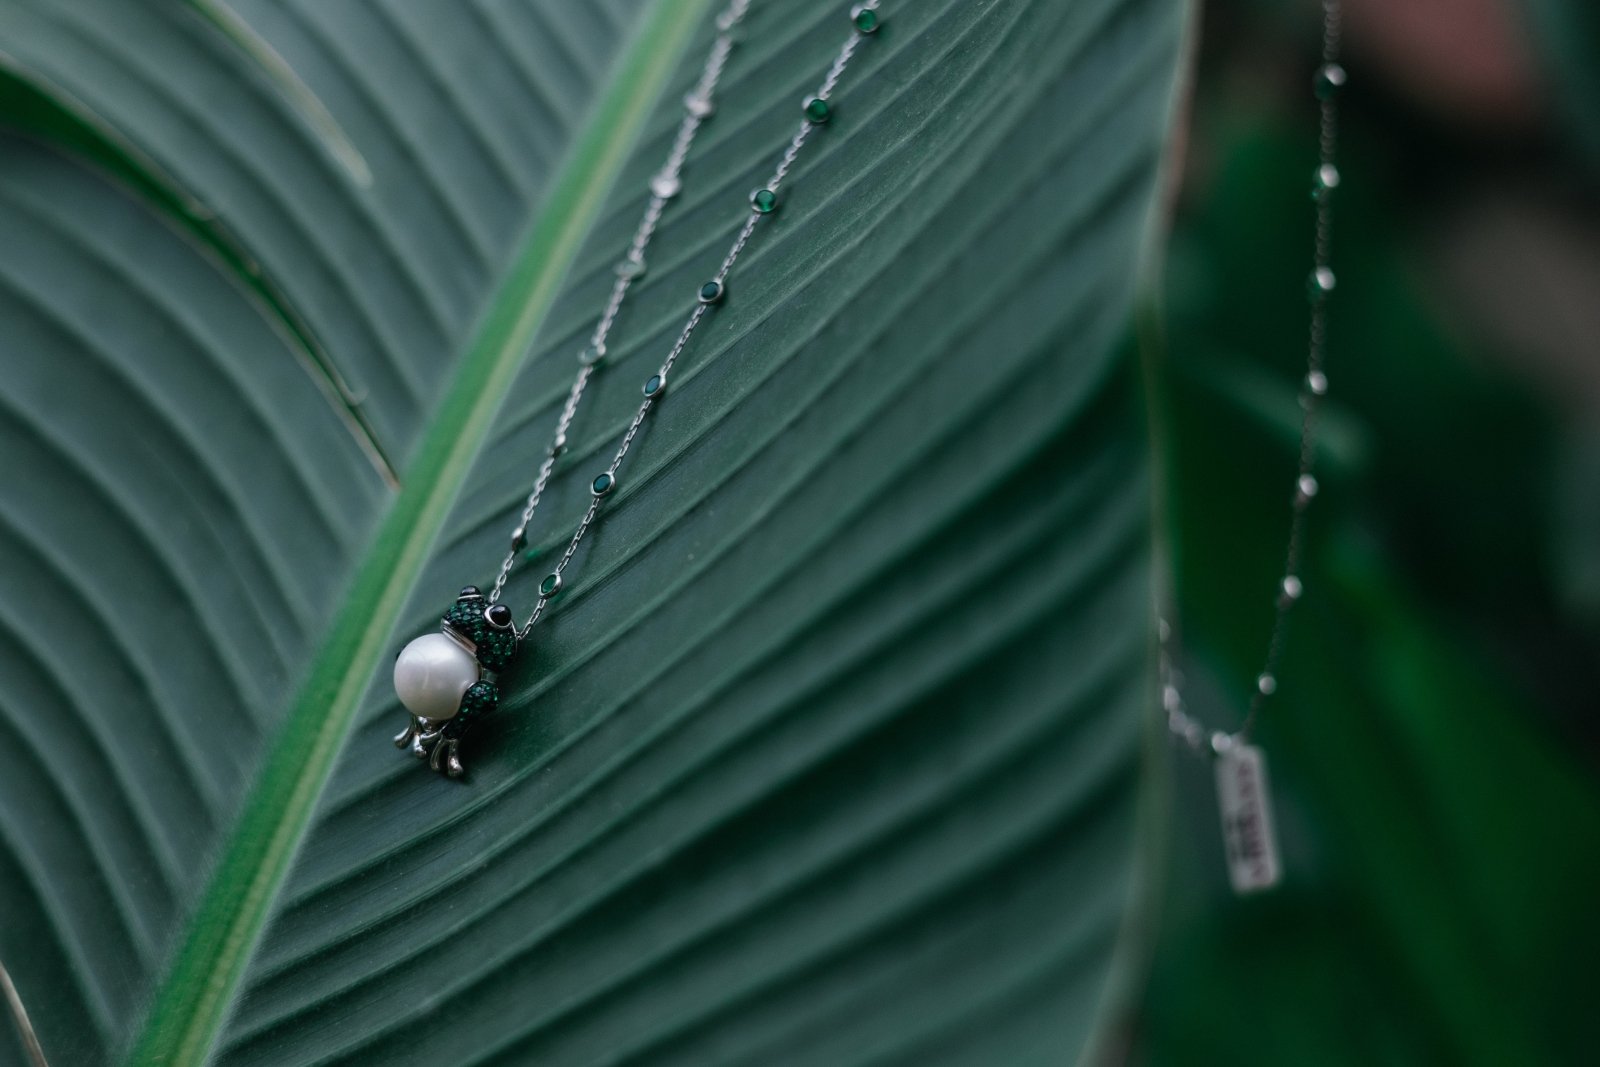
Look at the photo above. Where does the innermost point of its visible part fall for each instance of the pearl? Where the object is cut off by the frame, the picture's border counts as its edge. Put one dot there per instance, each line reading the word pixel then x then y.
pixel 432 674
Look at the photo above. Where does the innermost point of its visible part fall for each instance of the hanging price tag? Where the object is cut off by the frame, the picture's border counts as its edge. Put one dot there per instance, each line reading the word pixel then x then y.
pixel 1247 830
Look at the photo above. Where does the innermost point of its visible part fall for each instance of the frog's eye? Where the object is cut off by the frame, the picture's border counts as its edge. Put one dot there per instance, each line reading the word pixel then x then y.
pixel 470 592
pixel 499 617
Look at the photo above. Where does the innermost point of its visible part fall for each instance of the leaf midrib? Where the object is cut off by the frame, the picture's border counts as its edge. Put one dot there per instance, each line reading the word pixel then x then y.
pixel 190 1006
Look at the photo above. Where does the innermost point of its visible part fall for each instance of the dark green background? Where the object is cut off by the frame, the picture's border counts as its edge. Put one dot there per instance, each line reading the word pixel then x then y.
pixel 1433 744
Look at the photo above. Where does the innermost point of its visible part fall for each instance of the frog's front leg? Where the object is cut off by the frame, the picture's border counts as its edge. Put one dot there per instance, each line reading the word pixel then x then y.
pixel 478 701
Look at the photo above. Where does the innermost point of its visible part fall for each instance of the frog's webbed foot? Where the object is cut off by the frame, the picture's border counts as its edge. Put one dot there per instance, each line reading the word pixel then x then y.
pixel 420 736
pixel 446 757
pixel 408 737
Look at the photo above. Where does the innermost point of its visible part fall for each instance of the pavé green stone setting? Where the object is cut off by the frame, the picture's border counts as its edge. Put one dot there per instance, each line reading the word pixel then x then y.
pixel 478 701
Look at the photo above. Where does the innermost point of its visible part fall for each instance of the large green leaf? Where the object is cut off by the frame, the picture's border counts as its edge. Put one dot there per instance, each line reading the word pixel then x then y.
pixel 829 751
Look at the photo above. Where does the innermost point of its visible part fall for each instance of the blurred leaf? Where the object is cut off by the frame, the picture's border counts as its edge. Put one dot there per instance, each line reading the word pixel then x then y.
pixel 1439 848
pixel 1577 526
pixel 829 753
pixel 1568 32
pixel 1439 831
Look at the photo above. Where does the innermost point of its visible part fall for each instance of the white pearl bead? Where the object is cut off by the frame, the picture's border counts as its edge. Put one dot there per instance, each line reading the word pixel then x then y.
pixel 432 674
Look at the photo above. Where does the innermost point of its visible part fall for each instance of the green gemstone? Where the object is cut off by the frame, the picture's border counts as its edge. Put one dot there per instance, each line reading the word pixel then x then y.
pixel 711 292
pixel 817 110
pixel 550 586
pixel 865 19
pixel 479 700
pixel 763 201
pixel 603 485
pixel 654 385
pixel 1330 79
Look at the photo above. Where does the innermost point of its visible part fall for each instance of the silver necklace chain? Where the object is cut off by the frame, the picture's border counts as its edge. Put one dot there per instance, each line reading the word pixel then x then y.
pixel 1329 81
pixel 698 105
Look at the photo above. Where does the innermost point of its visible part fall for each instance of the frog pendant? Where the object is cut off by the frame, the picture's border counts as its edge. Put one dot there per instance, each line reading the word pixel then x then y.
pixel 446 679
